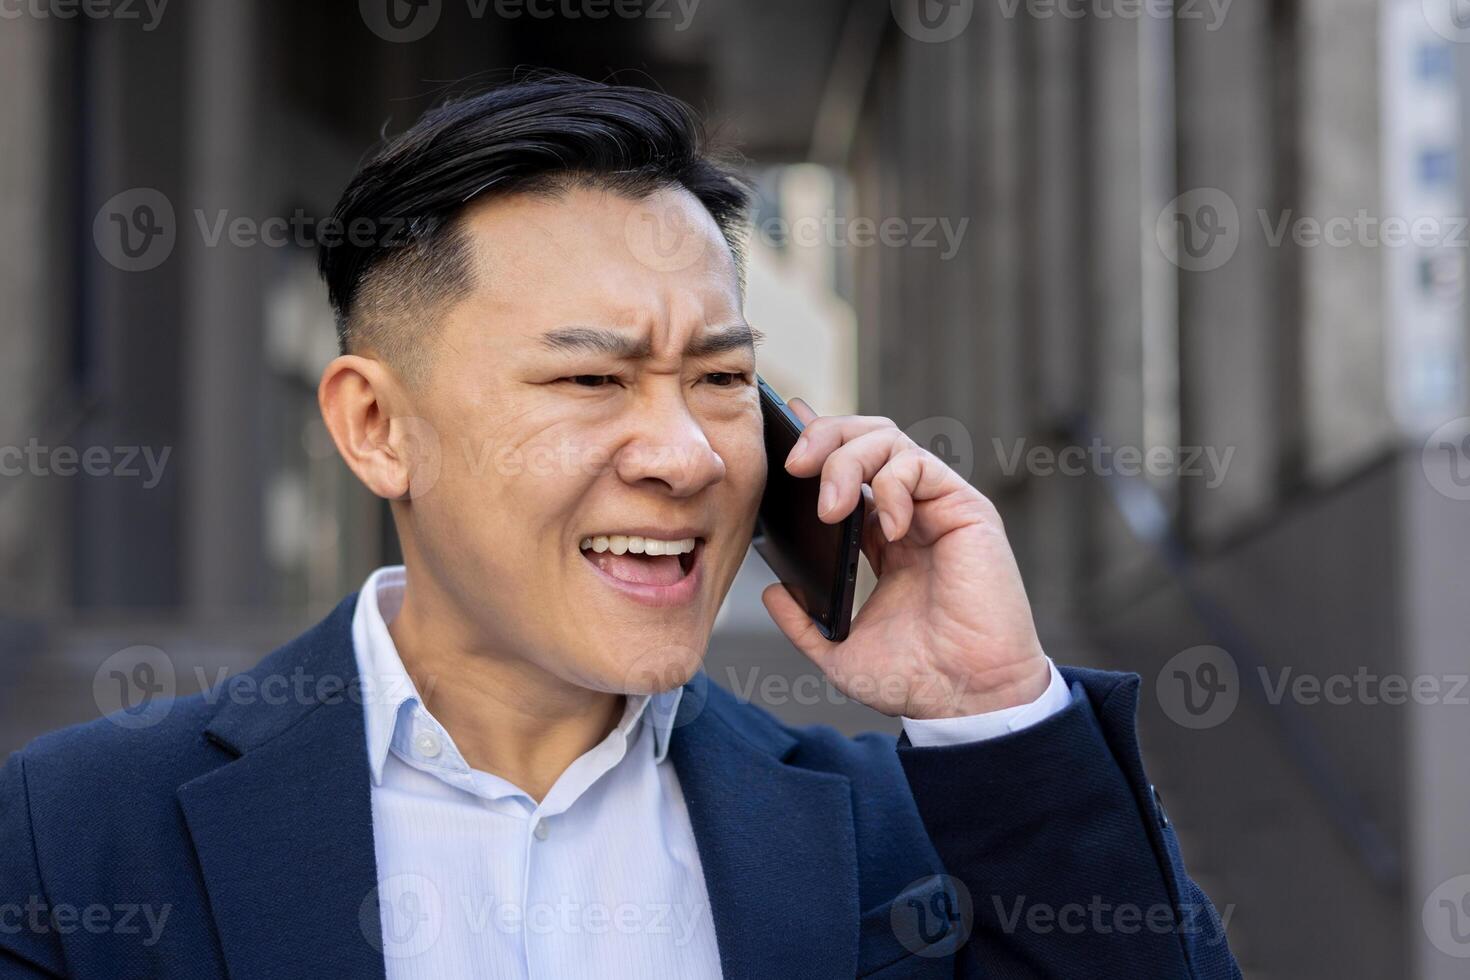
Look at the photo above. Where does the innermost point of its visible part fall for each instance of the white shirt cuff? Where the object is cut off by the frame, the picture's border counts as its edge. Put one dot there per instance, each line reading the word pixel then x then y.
pixel 927 732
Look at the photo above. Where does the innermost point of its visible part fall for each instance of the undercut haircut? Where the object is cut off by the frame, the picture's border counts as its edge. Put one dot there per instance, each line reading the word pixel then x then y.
pixel 398 255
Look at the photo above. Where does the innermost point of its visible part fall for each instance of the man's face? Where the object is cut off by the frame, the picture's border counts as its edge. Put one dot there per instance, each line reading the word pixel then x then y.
pixel 597 383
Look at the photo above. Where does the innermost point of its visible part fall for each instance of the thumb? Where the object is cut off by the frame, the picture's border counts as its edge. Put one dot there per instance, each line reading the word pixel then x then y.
pixel 798 627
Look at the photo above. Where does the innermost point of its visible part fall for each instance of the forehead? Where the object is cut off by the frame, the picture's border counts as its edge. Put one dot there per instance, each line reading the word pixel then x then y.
pixel 588 256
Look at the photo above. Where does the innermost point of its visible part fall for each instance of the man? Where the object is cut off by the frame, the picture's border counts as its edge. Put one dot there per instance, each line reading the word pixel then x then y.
pixel 500 759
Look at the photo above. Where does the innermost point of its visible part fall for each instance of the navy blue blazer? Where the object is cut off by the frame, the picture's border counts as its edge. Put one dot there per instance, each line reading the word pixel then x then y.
pixel 247 822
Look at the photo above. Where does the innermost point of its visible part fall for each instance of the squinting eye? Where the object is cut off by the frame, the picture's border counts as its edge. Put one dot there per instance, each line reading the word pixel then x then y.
pixel 589 380
pixel 724 379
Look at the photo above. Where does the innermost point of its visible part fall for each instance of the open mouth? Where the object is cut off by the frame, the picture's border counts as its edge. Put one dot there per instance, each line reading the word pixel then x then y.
pixel 643 560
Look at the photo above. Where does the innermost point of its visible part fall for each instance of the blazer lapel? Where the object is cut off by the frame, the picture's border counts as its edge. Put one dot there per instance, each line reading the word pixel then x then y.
pixel 284 832
pixel 777 842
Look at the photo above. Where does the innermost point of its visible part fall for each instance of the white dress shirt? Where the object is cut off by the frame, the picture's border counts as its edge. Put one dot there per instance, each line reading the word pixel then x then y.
pixel 601 878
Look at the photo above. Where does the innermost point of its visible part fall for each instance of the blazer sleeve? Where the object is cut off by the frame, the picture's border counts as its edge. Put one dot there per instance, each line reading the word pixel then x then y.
pixel 1068 864
pixel 29 947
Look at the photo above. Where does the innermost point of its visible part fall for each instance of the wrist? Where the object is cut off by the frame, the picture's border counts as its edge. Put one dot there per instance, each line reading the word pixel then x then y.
pixel 1021 684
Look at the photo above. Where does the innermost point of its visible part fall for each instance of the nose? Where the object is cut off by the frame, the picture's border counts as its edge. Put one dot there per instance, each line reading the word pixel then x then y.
pixel 669 447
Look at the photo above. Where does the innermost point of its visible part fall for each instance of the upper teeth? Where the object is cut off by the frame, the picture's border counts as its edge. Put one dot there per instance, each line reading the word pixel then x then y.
pixel 622 543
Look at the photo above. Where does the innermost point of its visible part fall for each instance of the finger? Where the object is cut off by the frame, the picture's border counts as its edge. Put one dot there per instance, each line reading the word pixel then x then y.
pixel 852 465
pixel 801 410
pixel 912 475
pixel 895 488
pixel 873 537
pixel 798 627
pixel 825 434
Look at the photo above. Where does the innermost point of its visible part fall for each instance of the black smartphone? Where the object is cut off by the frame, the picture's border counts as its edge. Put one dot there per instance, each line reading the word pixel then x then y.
pixel 816 562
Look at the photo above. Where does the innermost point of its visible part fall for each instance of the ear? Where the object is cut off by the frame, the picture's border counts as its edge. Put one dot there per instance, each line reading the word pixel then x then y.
pixel 359 399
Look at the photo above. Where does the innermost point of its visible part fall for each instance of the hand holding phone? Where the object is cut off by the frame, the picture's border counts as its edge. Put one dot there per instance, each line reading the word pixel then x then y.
pixel 817 562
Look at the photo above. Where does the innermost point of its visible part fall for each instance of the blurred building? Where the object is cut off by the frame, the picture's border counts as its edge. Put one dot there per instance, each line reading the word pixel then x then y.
pixel 1044 243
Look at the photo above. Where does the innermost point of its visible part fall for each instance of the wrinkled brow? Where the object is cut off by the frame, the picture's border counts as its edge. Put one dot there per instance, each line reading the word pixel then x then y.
pixel 623 347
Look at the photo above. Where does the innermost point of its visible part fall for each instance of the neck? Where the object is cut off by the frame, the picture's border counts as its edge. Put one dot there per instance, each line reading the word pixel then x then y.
pixel 507 716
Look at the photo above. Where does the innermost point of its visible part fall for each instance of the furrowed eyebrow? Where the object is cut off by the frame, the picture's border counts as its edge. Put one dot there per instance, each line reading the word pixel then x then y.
pixel 740 336
pixel 591 340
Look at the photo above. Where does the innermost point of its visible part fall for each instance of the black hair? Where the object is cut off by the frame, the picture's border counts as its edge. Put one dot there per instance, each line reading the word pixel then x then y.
pixel 398 247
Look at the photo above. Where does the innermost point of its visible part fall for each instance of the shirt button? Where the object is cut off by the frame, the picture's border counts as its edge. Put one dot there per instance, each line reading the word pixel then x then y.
pixel 427 744
pixel 542 831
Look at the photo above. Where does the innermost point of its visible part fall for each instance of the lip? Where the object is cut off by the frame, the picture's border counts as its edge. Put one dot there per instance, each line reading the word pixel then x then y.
pixel 659 596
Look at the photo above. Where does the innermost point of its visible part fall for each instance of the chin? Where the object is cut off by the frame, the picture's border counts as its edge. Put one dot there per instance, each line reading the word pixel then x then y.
pixel 652 668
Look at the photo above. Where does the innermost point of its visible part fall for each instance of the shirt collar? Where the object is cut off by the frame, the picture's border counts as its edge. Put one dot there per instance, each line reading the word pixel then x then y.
pixel 387 687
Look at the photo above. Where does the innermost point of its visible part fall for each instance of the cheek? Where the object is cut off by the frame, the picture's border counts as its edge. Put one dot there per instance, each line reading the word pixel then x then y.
pixel 518 480
pixel 543 479
pixel 743 449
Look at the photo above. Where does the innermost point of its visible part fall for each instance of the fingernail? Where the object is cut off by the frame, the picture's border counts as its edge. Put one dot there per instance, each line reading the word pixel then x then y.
pixel 886 523
pixel 797 451
pixel 827 499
